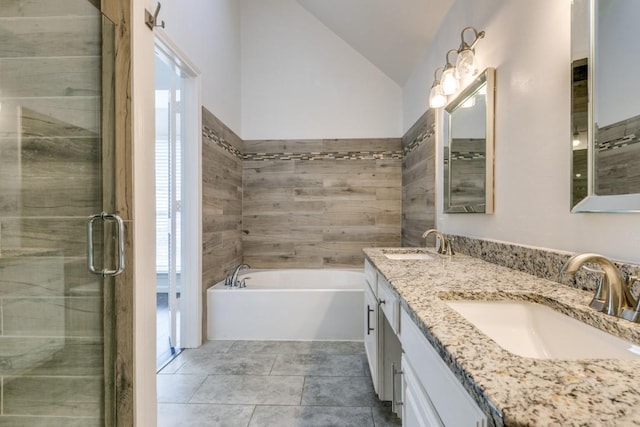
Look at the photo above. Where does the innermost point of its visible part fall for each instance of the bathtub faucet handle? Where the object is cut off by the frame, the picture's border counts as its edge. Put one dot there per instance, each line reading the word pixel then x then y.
pixel 234 278
pixel 243 283
pixel 227 281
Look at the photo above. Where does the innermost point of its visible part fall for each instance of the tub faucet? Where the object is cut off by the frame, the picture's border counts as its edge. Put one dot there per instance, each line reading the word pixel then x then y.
pixel 234 278
pixel 613 294
pixel 445 244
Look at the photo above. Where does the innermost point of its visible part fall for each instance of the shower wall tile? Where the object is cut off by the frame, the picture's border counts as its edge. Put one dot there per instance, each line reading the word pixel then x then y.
pixel 52 316
pixel 20 420
pixel 38 356
pixel 418 180
pixel 51 36
pixel 52 396
pixel 30 8
pixel 44 275
pixel 67 235
pixel 317 203
pixel 72 116
pixel 51 77
pixel 221 202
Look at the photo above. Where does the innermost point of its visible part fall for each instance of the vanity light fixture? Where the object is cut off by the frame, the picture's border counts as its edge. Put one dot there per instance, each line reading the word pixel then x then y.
pixel 437 98
pixel 460 75
pixel 576 138
pixel 466 64
pixel 449 80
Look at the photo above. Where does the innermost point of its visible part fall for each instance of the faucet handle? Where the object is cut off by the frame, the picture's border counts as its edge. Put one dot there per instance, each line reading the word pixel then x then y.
pixel 227 281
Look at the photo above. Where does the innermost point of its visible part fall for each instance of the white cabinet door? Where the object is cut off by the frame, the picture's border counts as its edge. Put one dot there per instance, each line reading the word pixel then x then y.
pixel 441 388
pixel 371 333
pixel 417 409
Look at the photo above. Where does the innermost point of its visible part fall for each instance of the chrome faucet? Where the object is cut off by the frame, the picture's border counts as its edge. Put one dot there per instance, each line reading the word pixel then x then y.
pixel 234 278
pixel 445 244
pixel 613 295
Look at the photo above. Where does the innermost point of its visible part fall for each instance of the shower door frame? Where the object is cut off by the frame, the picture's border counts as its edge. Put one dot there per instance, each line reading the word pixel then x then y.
pixel 119 365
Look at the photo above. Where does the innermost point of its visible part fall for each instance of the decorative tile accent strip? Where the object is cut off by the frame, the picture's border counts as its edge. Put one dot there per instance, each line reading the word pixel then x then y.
pixel 333 155
pixel 467 155
pixel 211 136
pixel 540 262
pixel 431 130
pixel 619 142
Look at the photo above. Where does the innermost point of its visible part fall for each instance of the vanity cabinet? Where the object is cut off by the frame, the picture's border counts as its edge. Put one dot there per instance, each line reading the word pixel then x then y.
pixel 406 369
pixel 433 396
pixel 382 325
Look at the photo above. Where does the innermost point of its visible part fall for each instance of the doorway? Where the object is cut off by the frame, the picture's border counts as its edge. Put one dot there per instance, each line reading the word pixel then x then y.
pixel 177 193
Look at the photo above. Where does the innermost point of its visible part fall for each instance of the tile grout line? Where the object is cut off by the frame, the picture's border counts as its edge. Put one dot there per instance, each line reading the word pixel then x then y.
pixel 252 415
pixel 304 381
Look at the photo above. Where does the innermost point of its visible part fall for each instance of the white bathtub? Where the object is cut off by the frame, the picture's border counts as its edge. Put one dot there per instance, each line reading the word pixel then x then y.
pixel 300 304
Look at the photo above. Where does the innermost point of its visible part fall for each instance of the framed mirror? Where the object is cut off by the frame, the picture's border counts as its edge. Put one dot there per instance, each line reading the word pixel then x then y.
pixel 468 147
pixel 605 106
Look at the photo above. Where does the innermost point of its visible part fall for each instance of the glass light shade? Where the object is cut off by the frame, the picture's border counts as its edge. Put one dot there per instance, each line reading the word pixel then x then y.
pixel 449 82
pixel 466 65
pixel 437 98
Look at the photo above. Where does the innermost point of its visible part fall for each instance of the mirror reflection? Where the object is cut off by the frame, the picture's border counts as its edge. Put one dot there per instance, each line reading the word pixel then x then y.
pixel 605 106
pixel 468 149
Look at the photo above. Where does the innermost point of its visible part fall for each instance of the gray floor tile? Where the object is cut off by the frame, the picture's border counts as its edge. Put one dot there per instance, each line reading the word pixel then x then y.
pixel 337 347
pixel 383 417
pixel 311 416
pixel 336 365
pixel 338 391
pixel 250 390
pixel 271 347
pixel 227 364
pixel 178 388
pixel 208 349
pixel 203 415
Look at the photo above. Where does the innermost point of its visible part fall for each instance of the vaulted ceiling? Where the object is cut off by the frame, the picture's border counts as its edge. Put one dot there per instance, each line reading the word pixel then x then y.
pixel 391 34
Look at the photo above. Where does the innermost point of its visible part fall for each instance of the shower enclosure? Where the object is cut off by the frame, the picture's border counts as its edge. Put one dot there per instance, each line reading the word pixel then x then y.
pixel 57 169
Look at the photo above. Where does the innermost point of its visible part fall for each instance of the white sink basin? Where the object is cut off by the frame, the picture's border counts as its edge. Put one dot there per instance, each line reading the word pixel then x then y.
pixel 407 255
pixel 534 330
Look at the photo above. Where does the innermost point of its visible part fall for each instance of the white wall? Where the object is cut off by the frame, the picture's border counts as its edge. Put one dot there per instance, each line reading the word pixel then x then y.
pixel 300 80
pixel 143 123
pixel 208 33
pixel 529 44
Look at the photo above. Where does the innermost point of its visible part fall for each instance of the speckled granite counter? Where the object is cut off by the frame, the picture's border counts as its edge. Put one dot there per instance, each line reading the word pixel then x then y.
pixel 514 390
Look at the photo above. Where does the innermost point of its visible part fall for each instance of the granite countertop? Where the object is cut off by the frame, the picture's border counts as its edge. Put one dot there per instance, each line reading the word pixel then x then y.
pixel 514 390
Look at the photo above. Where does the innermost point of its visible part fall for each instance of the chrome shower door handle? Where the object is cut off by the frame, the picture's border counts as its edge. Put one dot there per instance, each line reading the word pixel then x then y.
pixel 120 238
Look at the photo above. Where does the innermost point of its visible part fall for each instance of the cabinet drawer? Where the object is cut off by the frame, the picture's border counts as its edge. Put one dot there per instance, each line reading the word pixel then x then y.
pixel 389 304
pixel 452 402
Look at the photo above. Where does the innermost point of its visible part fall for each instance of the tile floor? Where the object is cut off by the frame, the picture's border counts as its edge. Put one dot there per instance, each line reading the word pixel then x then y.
pixel 271 383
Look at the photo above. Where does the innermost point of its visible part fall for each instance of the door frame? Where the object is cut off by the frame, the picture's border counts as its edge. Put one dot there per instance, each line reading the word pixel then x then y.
pixel 191 209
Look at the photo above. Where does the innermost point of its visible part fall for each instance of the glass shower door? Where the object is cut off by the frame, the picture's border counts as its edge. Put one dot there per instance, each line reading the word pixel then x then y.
pixel 56 171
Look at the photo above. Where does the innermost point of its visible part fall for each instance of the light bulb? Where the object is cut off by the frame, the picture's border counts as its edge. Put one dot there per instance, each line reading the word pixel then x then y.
pixel 437 99
pixel 449 82
pixel 466 67
pixel 576 139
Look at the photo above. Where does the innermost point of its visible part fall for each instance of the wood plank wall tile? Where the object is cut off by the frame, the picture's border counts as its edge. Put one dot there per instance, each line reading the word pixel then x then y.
pixel 315 209
pixel 221 203
pixel 418 180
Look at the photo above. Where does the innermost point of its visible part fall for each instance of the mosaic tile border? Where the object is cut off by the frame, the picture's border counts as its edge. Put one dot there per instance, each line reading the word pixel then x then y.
pixel 329 155
pixel 431 131
pixel 619 142
pixel 210 135
pixel 540 262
